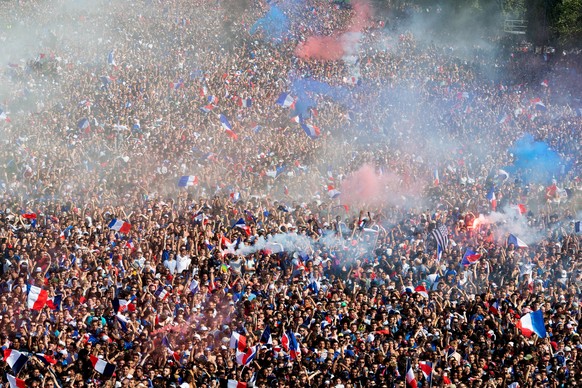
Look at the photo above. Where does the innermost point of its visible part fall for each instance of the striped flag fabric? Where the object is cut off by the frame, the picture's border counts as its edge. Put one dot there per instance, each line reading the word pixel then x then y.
pixel 227 127
pixel 119 225
pixel 441 235
pixel 54 302
pixel 238 341
pixel 435 177
pixel 15 382
pixel 426 368
pixel 470 257
pixel 161 293
pixel 421 289
pixel 516 241
pixel 532 323
pixel 411 378
pixel 15 360
pixel 311 130
pixel 188 180
pixel 285 100
pixel 245 357
pixel 332 192
pixel 37 298
pixel 266 338
pixel 46 359
pixel 492 198
pixel 102 366
pixel 235 384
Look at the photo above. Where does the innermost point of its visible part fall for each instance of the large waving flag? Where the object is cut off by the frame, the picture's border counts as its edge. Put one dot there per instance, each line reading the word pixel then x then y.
pixel 492 198
pixel 241 224
pixel 441 235
pixel 245 357
pixel 532 323
pixel 512 239
pixel 119 225
pixel 54 302
pixel 188 180
pixel 470 257
pixel 290 344
pixel 411 378
pixel 238 341
pixel 311 130
pixel 332 192
pixel 227 127
pixel 266 338
pixel 37 298
pixel 15 360
pixel 426 368
pixel 236 384
pixel 46 359
pixel 15 382
pixel 102 366
pixel 285 100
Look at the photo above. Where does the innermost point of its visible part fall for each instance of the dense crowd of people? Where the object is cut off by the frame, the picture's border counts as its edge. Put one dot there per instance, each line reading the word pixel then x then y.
pixel 430 212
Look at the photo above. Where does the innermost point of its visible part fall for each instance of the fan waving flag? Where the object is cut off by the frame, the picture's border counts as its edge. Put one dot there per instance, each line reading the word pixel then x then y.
pixel 266 338
pixel 492 198
pixel 238 341
pixel 120 225
pixel 532 323
pixel 285 100
pixel 441 235
pixel 426 368
pixel 102 366
pixel 15 360
pixel 245 357
pixel 411 378
pixel 15 382
pixel 512 239
pixel 46 359
pixel 188 180
pixel 470 257
pixel 242 225
pixel 236 384
pixel 37 298
pixel 227 127
pixel 311 130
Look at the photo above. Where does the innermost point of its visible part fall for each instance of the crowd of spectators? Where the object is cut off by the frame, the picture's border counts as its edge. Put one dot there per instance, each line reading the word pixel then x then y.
pixel 101 123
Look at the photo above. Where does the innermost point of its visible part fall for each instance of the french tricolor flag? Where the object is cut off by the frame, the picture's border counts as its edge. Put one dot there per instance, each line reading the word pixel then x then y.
pixel 236 384
pixel 37 298
pixel 285 100
pixel 516 241
pixel 421 290
pixel 492 198
pixel 332 192
pixel 238 341
pixel 411 378
pixel 532 323
pixel 103 367
pixel 54 302
pixel 15 360
pixel 119 225
pixel 435 177
pixel 213 100
pixel 15 382
pixel 470 257
pixel 311 130
pixel 227 127
pixel 161 293
pixel 188 180
pixel 242 225
pixel 245 358
pixel 46 359
pixel 207 108
pixel 426 368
